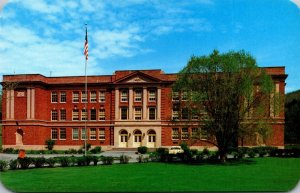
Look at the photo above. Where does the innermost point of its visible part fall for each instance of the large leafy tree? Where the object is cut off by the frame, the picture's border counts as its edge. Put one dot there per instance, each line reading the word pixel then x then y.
pixel 231 95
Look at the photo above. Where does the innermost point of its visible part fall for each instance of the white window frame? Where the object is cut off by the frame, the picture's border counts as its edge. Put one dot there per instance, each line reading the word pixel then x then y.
pixel 150 113
pixel 175 96
pixel 175 134
pixel 138 95
pixel 54 132
pixel 75 96
pixel 73 114
pixel 63 95
pixel 91 110
pixel 60 133
pixel 93 96
pixel 54 113
pixel 83 135
pixel 152 95
pixel 75 133
pixel 84 97
pixel 126 113
pixel 184 133
pixel 54 97
pixel 65 115
pixel 124 95
pixel 84 115
pixel 101 134
pixel 101 96
pixel 101 115
pixel 93 133
pixel 138 112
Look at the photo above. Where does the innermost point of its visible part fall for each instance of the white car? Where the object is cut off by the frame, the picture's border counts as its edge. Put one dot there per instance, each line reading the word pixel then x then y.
pixel 175 150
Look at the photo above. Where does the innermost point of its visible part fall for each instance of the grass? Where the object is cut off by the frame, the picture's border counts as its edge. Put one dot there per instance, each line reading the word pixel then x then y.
pixel 258 174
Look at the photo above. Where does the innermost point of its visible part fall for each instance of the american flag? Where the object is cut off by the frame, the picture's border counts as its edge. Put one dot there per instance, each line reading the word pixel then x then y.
pixel 86 46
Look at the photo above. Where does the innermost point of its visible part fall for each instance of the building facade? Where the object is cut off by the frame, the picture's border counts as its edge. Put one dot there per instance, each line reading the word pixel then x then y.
pixel 125 110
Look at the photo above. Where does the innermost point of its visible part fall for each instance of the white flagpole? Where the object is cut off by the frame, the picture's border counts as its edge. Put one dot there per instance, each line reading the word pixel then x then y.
pixel 86 97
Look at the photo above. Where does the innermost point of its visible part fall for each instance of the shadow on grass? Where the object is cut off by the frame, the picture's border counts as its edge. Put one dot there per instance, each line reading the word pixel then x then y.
pixel 229 162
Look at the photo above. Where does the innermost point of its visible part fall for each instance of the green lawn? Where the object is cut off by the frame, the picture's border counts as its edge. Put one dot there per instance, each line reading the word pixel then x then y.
pixel 258 174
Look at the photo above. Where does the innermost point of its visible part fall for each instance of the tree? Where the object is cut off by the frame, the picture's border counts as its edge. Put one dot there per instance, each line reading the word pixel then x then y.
pixel 229 93
pixel 292 114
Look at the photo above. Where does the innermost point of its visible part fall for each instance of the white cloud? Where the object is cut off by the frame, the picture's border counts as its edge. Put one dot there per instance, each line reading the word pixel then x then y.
pixel 296 2
pixel 51 38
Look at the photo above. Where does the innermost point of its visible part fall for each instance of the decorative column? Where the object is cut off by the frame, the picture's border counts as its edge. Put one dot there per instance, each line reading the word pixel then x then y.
pixel 30 103
pixel 158 103
pixel 145 104
pixel 130 105
pixel 117 97
pixel 10 104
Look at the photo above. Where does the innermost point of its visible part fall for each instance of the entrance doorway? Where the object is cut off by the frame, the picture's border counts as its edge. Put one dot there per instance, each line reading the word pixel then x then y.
pixel 151 139
pixel 123 138
pixel 137 134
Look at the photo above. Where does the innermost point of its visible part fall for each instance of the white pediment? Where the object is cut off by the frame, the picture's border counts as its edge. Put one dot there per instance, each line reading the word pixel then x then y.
pixel 137 79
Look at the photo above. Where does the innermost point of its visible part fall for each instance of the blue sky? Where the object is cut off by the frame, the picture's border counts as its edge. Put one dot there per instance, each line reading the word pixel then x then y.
pixel 43 36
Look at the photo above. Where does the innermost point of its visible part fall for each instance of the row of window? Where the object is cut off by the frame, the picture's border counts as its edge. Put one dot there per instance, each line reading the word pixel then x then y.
pixel 138 95
pixel 75 97
pixel 184 134
pixel 77 134
pixel 138 112
pixel 179 95
pixel 62 115
pixel 62 96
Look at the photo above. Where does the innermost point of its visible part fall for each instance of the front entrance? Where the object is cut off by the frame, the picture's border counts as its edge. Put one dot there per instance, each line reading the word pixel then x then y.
pixel 137 135
pixel 123 142
pixel 151 139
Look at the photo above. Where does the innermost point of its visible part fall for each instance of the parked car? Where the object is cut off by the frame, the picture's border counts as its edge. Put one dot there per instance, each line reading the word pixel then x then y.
pixel 175 150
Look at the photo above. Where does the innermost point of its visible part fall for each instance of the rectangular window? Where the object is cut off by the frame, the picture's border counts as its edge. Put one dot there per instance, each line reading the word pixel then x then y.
pixel 83 97
pixel 63 97
pixel 101 114
pixel 138 95
pixel 175 134
pixel 185 113
pixel 54 98
pixel 195 114
pixel 203 134
pixel 75 134
pixel 75 97
pixel 184 134
pixel 137 113
pixel 93 134
pixel 152 113
pixel 102 96
pixel 83 134
pixel 62 133
pixel 93 96
pixel 101 134
pixel 75 115
pixel 93 115
pixel 63 115
pixel 54 135
pixel 124 96
pixel 124 113
pixel 195 133
pixel 184 95
pixel 152 95
pixel 175 96
pixel 54 115
pixel 175 112
pixel 83 115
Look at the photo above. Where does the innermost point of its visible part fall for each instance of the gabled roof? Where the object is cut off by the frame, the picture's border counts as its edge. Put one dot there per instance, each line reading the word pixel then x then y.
pixel 137 77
